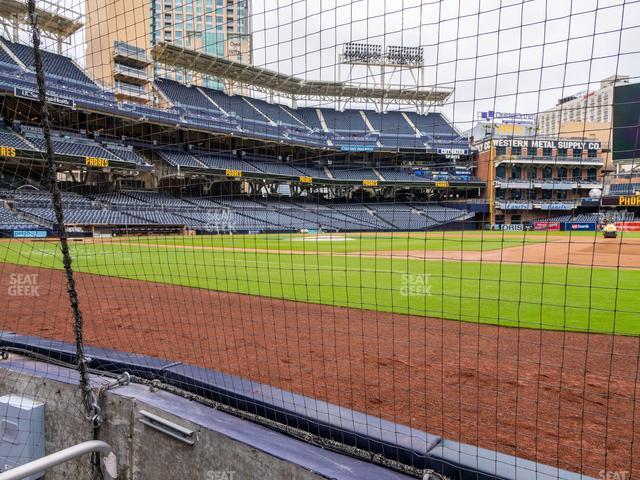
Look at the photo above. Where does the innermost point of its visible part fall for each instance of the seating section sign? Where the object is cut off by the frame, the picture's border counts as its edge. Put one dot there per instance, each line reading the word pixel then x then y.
pixel 96 162
pixel 7 151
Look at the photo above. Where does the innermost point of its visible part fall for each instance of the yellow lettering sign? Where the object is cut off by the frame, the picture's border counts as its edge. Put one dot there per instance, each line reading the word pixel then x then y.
pixel 233 173
pixel 96 162
pixel 370 183
pixel 509 129
pixel 442 184
pixel 306 179
pixel 7 152
pixel 629 201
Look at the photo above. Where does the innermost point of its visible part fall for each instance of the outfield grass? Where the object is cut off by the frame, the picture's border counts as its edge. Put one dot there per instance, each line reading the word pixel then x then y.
pixel 549 297
pixel 354 242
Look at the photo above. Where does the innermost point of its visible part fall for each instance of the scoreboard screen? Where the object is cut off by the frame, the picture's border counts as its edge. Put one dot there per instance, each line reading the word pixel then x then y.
pixel 626 122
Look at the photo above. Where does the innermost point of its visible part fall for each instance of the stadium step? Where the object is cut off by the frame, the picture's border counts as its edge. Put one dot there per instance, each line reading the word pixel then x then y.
pixel 411 124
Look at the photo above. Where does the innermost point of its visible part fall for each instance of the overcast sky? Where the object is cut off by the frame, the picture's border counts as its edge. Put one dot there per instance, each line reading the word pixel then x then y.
pixel 508 55
pixel 503 55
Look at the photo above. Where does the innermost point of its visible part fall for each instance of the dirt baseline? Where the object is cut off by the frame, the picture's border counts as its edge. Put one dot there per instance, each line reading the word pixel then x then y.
pixel 569 251
pixel 564 399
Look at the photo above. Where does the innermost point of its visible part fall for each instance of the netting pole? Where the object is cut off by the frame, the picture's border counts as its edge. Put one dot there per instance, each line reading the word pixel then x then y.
pixel 89 399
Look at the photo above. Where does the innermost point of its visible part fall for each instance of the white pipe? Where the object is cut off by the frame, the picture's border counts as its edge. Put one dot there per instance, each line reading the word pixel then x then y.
pixel 44 463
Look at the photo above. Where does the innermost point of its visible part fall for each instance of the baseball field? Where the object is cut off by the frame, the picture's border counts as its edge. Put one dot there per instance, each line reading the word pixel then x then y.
pixel 417 328
pixel 533 279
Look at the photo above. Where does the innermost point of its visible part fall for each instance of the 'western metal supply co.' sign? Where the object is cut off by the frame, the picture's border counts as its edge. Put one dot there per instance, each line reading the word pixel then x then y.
pixel 536 143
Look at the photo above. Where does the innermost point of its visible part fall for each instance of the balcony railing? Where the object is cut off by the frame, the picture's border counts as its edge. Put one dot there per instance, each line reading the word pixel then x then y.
pixel 136 75
pixel 547 183
pixel 131 90
pixel 538 204
pixel 131 53
pixel 548 160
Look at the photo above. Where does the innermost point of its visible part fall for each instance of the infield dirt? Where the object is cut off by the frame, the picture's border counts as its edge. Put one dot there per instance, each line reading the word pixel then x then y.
pixel 566 399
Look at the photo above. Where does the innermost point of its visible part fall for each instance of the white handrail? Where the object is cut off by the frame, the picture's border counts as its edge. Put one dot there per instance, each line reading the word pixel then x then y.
pixel 44 463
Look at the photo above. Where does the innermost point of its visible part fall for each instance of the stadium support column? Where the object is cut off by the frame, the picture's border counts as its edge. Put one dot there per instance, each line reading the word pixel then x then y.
pixel 491 183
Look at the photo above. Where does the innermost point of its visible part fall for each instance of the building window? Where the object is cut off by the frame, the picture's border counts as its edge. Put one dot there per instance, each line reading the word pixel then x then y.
pixel 500 171
pixel 516 172
pixel 561 194
pixel 546 194
pixel 562 173
pixel 592 154
pixel 532 173
pixel 592 174
pixel 516 151
pixel 547 173
pixel 562 152
pixel 546 152
pixel 577 153
pixel 501 150
pixel 576 174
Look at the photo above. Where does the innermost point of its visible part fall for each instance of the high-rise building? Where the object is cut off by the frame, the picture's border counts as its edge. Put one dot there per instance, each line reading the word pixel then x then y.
pixel 120 34
pixel 595 107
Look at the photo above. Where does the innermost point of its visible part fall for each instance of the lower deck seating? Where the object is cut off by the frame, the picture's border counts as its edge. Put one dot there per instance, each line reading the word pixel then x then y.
pixel 221 214
pixel 11 221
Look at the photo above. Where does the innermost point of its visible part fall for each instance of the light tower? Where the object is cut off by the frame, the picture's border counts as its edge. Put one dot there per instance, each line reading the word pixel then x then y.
pixel 382 66
pixel 55 21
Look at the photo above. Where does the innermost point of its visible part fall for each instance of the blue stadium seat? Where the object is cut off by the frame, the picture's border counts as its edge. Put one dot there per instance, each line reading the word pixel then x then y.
pixel 180 159
pixel 54 64
pixel 349 121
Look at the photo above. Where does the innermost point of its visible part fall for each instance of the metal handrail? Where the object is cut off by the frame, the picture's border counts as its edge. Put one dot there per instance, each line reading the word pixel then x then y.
pixel 62 456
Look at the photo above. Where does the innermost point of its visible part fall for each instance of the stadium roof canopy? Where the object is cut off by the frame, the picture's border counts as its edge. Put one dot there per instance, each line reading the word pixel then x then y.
pixel 272 82
pixel 51 20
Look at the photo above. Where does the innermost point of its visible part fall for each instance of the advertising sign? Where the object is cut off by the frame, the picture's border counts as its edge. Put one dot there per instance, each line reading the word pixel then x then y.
pixel 29 234
pixel 551 226
pixel 579 227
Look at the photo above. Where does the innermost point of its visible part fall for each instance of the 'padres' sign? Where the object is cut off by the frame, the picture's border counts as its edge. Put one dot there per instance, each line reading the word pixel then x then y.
pixel 629 200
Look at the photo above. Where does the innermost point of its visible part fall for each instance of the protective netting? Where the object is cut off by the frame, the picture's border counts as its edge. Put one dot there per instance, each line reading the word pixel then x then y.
pixel 421 211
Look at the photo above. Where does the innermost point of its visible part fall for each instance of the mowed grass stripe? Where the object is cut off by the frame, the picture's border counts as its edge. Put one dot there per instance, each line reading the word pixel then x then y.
pixel 349 243
pixel 549 297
